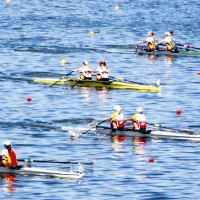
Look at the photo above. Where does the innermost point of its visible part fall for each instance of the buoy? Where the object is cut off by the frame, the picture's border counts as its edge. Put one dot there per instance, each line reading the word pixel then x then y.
pixel 8 1
pixel 29 99
pixel 92 33
pixel 151 160
pixel 117 8
pixel 198 73
pixel 178 111
pixel 63 62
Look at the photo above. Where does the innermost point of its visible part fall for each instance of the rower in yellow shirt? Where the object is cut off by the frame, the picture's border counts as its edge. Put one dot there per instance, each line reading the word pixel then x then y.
pixel 117 119
pixel 139 120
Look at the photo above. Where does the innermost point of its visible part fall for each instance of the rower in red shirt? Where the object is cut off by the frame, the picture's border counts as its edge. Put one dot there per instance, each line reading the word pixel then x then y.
pixel 8 156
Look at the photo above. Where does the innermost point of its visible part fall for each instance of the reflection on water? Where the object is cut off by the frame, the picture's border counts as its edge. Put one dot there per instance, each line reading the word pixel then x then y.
pixel 117 143
pixel 139 145
pixel 87 93
pixel 153 58
pixel 9 180
pixel 102 94
pixel 170 59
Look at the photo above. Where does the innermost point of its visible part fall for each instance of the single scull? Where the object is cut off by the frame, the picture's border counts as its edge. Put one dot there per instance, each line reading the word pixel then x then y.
pixel 27 170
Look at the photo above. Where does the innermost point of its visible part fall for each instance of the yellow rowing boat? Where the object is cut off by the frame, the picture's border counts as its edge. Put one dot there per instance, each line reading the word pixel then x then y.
pixel 112 84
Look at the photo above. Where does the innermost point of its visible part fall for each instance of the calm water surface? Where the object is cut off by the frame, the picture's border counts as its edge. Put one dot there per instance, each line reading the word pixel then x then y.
pixel 36 35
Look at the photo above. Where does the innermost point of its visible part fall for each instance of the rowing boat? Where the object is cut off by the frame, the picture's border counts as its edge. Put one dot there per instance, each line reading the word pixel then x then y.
pixel 113 84
pixel 181 52
pixel 142 51
pixel 26 170
pixel 161 134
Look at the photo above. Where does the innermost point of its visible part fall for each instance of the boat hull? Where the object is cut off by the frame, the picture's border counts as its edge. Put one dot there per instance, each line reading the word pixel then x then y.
pixel 99 84
pixel 141 51
pixel 41 172
pixel 183 53
pixel 157 134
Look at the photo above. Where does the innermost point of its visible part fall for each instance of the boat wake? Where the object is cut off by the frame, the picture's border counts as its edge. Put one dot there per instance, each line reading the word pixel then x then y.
pixel 74 132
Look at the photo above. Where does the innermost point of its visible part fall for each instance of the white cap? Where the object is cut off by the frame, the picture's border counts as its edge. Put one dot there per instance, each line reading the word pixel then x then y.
pixel 150 33
pixel 117 108
pixel 168 33
pixel 139 110
pixel 85 62
pixel 7 143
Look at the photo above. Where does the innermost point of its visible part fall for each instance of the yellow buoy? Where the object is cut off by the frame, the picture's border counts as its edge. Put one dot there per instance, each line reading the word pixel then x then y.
pixel 91 33
pixel 63 62
pixel 117 8
pixel 8 1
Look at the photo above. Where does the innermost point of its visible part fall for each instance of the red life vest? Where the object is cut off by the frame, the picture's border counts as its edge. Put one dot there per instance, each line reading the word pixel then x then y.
pixel 120 121
pixel 141 125
pixel 11 159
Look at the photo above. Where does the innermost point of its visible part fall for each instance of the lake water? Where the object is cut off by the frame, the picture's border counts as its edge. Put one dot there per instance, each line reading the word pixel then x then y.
pixel 36 36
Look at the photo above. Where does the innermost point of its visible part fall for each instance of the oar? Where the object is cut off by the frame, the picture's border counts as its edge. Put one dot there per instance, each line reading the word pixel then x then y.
pixel 172 129
pixel 58 162
pixel 101 122
pixel 121 80
pixel 61 78
pixel 185 46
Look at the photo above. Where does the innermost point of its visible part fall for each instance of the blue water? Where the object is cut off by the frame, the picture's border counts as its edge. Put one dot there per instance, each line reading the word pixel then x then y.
pixel 36 36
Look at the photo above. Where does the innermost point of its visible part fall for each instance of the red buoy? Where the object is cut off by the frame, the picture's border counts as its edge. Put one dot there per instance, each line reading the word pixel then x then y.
pixel 178 111
pixel 198 73
pixel 29 99
pixel 151 160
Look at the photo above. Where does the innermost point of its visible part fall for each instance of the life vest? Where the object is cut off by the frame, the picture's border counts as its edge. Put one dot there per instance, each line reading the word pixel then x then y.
pixel 140 121
pixel 10 158
pixel 118 119
pixel 85 72
pixel 151 46
pixel 151 43
pixel 102 72
pixel 170 43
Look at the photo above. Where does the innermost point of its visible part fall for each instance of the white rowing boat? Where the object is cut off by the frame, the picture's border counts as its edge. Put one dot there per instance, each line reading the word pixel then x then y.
pixel 163 134
pixel 26 170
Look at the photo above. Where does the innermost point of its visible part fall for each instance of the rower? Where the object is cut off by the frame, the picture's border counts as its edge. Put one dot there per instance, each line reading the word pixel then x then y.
pixel 8 156
pixel 169 41
pixel 117 119
pixel 102 73
pixel 85 71
pixel 151 41
pixel 139 120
